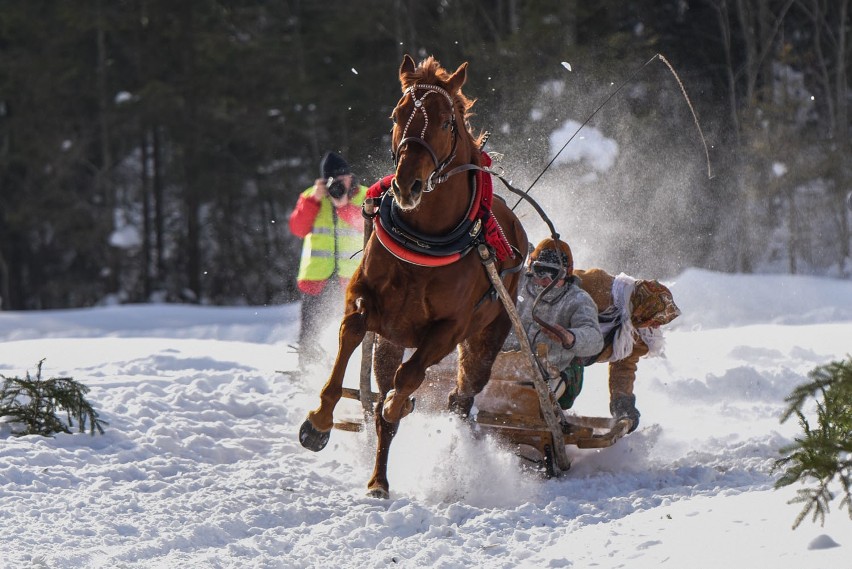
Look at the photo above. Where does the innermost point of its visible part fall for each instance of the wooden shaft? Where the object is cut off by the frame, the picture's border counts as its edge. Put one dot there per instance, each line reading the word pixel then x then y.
pixel 550 409
pixel 369 337
pixel 359 395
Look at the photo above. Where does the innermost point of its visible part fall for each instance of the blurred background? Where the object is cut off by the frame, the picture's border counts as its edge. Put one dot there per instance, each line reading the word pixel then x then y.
pixel 152 150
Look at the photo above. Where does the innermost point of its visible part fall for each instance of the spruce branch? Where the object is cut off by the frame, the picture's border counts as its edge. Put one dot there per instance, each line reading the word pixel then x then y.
pixel 823 453
pixel 34 403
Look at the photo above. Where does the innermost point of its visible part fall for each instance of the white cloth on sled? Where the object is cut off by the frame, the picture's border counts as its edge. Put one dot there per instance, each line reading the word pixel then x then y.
pixel 626 334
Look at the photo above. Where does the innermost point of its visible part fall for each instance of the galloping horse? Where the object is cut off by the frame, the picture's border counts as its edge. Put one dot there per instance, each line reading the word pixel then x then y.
pixel 417 286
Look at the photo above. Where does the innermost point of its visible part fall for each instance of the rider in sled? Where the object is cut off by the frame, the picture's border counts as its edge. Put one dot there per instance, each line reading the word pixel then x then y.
pixel 627 312
pixel 571 332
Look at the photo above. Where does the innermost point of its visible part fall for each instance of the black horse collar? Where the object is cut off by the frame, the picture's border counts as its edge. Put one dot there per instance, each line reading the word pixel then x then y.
pixel 410 245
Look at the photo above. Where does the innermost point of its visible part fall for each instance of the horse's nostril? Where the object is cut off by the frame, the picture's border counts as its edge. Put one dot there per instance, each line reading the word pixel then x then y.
pixel 416 187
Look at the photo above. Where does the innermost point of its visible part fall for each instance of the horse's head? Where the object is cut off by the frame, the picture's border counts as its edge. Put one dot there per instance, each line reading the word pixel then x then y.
pixel 429 121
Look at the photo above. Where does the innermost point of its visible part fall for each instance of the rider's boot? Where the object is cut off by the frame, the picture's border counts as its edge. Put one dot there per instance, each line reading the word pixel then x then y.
pixel 624 407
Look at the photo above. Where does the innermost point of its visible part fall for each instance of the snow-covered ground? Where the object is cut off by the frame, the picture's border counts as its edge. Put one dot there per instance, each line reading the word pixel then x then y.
pixel 200 466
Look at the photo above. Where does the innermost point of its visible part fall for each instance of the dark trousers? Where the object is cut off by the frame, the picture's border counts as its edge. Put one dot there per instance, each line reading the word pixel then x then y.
pixel 318 311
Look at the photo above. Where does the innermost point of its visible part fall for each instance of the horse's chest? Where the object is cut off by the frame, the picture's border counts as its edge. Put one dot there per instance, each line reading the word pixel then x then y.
pixel 409 300
pixel 406 306
pixel 410 303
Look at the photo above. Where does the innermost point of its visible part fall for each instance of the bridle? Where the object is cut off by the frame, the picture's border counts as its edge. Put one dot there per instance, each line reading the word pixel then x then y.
pixel 436 176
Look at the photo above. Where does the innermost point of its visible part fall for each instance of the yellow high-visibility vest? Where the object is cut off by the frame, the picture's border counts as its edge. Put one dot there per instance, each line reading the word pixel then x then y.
pixel 331 246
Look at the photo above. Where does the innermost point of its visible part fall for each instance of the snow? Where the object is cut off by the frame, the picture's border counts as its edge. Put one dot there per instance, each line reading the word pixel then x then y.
pixel 125 235
pixel 590 145
pixel 200 466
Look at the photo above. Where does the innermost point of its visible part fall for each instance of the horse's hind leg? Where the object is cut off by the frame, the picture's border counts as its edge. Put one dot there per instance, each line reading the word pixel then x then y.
pixel 476 356
pixel 407 377
pixel 316 429
pixel 378 486
pixel 386 359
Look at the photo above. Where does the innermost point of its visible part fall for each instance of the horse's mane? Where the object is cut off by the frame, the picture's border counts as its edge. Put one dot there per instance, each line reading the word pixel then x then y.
pixel 430 71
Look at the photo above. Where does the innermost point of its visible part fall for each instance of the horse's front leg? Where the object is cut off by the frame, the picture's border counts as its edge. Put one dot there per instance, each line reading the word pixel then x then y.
pixel 316 429
pixel 438 341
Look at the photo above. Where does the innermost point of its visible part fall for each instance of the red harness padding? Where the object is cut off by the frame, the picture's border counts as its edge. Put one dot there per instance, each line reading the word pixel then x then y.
pixel 379 188
pixel 401 252
pixel 494 235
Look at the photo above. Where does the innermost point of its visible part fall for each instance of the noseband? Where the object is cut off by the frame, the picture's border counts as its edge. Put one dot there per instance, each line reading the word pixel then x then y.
pixel 421 140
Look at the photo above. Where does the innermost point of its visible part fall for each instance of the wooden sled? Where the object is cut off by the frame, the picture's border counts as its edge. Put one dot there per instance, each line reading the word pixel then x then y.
pixel 516 403
pixel 508 408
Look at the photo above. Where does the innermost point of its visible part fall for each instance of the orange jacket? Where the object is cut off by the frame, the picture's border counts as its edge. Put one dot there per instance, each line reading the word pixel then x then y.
pixel 622 374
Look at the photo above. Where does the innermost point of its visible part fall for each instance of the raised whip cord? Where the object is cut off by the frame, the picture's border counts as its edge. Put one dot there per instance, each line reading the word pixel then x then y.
pixel 607 99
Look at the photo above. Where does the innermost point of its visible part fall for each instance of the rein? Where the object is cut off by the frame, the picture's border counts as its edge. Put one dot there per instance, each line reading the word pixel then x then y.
pixel 520 193
pixel 613 94
pixel 525 196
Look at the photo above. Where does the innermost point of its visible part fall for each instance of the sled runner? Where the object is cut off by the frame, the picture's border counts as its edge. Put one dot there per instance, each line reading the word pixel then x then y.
pixel 508 408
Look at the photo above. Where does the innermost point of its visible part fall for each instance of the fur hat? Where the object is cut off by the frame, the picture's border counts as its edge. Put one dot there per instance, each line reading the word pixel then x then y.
pixel 653 304
pixel 333 165
pixel 550 255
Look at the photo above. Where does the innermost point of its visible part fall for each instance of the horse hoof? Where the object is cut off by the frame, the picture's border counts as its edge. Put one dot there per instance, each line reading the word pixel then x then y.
pixel 311 438
pixel 407 407
pixel 378 492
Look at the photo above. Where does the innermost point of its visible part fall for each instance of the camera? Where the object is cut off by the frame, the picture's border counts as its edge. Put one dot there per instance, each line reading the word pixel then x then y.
pixel 336 188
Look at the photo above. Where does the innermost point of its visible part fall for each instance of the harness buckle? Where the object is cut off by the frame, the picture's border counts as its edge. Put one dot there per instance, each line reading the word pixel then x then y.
pixel 372 205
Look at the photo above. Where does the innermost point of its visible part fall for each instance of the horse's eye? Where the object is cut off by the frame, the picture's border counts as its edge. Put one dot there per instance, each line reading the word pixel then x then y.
pixel 446 125
pixel 393 119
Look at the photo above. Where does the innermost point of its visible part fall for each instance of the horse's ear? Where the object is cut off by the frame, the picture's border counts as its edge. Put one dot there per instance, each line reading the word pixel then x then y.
pixel 457 79
pixel 407 67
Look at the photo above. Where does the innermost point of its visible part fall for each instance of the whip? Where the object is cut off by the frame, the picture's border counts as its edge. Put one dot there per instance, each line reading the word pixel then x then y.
pixel 607 100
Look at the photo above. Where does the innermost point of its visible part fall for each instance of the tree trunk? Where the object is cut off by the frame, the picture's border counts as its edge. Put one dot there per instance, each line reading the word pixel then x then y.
pixel 840 83
pixel 191 167
pixel 104 174
pixel 145 183
pixel 406 38
pixel 159 202
pixel 834 83
pixel 793 245
pixel 4 281
pixel 845 205
pixel 842 130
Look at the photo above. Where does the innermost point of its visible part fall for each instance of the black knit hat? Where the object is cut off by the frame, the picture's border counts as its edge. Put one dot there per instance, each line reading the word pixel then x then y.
pixel 333 165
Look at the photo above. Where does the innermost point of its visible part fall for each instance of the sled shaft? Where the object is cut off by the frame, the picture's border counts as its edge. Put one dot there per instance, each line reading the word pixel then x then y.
pixel 549 406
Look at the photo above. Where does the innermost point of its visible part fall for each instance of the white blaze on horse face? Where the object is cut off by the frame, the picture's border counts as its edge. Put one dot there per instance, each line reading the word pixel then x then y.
pixel 414 166
pixel 405 198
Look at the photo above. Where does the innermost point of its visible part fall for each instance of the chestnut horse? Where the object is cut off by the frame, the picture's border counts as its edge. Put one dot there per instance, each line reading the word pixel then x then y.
pixel 408 301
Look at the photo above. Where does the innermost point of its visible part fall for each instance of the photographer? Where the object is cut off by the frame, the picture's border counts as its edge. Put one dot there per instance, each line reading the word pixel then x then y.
pixel 328 217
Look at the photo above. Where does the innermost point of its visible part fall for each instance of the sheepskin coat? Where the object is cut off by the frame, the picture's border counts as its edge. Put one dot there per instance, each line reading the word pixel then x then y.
pixel 567 305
